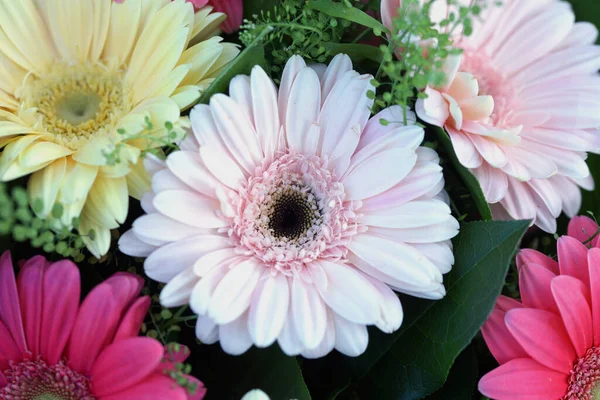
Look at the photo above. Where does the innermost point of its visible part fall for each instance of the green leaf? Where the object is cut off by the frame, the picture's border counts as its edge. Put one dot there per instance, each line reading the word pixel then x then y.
pixel 252 55
pixel 462 378
pixel 435 332
pixel 341 10
pixel 414 361
pixel 355 51
pixel 468 178
pixel 255 7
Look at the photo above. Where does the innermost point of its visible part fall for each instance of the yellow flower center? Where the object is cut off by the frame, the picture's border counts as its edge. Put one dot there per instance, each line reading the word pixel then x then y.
pixel 77 102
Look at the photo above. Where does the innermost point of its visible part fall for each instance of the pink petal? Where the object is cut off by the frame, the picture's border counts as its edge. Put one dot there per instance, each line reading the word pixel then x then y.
pixel 234 11
pixel 594 270
pixel 535 257
pixel 8 348
pixel 543 336
pixel 534 284
pixel 572 258
pixel 582 228
pixel 96 322
pixel 132 321
pixel 10 311
pixel 30 283
pixel 523 379
pixel 572 299
pixel 124 364
pixel 499 340
pixel 157 386
pixel 505 304
pixel 62 289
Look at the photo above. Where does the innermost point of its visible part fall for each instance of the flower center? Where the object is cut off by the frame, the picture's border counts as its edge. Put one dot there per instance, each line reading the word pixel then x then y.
pixel 36 380
pixel 291 213
pixel 584 382
pixel 75 103
pixel 492 83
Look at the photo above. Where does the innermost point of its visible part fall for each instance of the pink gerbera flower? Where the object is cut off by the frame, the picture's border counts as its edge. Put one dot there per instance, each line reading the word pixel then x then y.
pixel 296 214
pixel 521 106
pixel 53 348
pixel 548 345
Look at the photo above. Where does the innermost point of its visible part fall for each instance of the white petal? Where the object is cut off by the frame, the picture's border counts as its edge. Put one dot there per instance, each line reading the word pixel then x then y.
pixel 408 215
pixel 132 246
pixel 440 254
pixel 177 292
pixel 288 339
pixel 157 229
pixel 167 261
pixel 269 309
pixel 339 65
pixel 223 167
pixel 188 167
pixel 266 112
pixel 309 313
pixel 213 259
pixel 203 291
pixel 348 293
pixel 189 208
pixel 303 109
pixel 206 330
pixel 234 336
pixel 326 344
pixel 391 314
pixel 350 339
pixel 292 67
pixel 232 296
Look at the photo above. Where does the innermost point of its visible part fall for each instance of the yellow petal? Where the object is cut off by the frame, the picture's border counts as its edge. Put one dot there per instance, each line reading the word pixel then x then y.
pixel 22 23
pixel 11 75
pixel 159 47
pixel 124 24
pixel 230 51
pixel 42 153
pixel 45 184
pixel 12 151
pixel 477 108
pixel 101 15
pixel 128 156
pixel 15 170
pixel 79 178
pixel 186 96
pixel 107 203
pixel 201 57
pixel 171 82
pixel 95 151
pixel 70 211
pixel 8 102
pixel 138 180
pixel 206 24
pixel 101 243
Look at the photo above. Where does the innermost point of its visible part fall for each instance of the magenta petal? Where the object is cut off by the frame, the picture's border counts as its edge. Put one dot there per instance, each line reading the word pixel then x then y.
pixel 10 311
pixel 499 340
pixel 234 10
pixel 572 258
pixel 527 256
pixel 504 303
pixel 31 283
pixel 156 387
pixel 571 296
pixel 125 286
pixel 200 391
pixel 124 364
pixel 582 228
pixel 594 270
pixel 3 381
pixel 96 323
pixel 9 351
pixel 523 379
pixel 534 284
pixel 60 303
pixel 134 317
pixel 543 336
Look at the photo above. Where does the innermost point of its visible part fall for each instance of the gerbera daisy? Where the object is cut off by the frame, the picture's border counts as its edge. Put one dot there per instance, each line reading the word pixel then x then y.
pixel 79 79
pixel 290 214
pixel 548 345
pixel 521 106
pixel 51 347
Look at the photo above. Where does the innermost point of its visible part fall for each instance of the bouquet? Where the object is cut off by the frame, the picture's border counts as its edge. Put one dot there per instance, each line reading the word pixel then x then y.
pixel 299 199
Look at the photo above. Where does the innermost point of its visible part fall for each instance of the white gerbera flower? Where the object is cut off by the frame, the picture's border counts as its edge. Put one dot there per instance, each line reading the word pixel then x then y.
pixel 290 214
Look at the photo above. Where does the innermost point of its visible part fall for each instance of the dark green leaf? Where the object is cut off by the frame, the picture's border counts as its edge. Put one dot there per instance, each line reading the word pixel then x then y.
pixel 462 378
pixel 255 7
pixel 252 55
pixel 469 180
pixel 355 51
pixel 341 10
pixel 434 333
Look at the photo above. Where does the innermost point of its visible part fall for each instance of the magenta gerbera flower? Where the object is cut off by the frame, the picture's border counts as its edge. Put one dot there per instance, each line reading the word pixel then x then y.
pixel 291 214
pixel 51 347
pixel 548 344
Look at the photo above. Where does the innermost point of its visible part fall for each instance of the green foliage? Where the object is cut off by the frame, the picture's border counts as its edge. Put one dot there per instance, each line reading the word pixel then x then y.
pixel 417 50
pixel 293 28
pixel 462 379
pixel 49 234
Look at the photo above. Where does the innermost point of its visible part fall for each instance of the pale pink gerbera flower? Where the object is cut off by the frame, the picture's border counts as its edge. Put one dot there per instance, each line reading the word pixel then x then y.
pixel 296 214
pixel 548 345
pixel 522 106
pixel 53 348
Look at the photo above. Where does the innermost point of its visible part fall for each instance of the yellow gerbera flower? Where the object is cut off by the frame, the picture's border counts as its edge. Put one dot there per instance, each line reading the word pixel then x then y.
pixel 75 75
